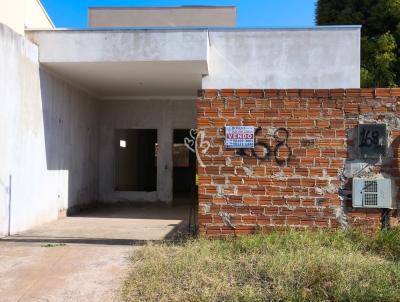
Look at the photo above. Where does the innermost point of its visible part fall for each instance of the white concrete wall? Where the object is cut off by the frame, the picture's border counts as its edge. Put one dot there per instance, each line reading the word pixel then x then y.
pixel 12 13
pixel 36 16
pixel 21 14
pixel 71 130
pixel 99 46
pixel 163 115
pixel 320 57
pixel 49 139
pixel 325 57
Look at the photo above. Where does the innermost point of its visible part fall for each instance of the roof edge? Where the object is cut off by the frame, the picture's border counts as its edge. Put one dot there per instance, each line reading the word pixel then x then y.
pixel 162 7
pixel 321 93
pixel 45 13
pixel 189 28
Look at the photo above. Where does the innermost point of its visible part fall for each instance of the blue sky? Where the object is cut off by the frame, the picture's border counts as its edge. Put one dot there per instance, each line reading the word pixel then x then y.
pixel 264 13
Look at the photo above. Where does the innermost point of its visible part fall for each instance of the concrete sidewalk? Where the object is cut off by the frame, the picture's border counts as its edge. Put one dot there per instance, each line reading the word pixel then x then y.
pixel 85 257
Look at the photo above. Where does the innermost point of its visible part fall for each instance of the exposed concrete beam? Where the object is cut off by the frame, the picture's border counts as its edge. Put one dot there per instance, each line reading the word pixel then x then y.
pixel 121 46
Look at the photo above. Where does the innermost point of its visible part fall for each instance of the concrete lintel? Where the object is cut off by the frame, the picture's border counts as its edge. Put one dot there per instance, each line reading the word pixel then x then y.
pixel 127 63
pixel 121 46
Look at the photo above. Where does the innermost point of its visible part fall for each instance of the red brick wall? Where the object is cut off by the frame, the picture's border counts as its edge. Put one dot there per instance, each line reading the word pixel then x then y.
pixel 240 194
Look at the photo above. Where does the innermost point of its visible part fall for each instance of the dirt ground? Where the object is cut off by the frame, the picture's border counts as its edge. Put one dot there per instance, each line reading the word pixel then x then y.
pixel 32 272
pixel 82 258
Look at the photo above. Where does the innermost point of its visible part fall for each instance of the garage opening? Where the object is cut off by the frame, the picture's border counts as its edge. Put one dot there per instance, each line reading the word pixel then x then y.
pixel 135 160
pixel 184 174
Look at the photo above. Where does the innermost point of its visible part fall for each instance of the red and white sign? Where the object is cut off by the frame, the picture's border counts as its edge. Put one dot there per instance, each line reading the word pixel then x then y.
pixel 239 137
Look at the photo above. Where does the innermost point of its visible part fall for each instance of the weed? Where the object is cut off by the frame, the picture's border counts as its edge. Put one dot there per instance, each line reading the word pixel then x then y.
pixel 292 266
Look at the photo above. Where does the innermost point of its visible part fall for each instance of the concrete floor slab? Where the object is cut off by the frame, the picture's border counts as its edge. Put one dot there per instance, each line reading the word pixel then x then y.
pixel 84 257
pixel 112 224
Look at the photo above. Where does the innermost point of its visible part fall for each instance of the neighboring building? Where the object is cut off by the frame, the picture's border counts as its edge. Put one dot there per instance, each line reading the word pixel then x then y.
pixel 101 114
pixel 195 16
pixel 22 14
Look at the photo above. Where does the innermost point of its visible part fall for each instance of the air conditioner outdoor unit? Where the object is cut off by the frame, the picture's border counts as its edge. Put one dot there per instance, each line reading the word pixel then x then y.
pixel 372 193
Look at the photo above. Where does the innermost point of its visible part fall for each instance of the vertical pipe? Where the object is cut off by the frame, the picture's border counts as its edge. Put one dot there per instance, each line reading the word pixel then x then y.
pixel 385 219
pixel 9 204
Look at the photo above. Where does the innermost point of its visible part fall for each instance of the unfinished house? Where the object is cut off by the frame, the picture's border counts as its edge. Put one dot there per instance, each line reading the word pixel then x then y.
pixel 108 115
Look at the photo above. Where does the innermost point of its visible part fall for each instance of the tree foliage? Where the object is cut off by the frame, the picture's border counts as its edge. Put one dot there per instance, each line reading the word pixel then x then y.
pixel 380 20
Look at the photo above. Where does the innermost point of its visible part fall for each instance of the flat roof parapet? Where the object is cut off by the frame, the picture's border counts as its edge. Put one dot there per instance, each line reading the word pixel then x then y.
pixel 324 93
pixel 201 28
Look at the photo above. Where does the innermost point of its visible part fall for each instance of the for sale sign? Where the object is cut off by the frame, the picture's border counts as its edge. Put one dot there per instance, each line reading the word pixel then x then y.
pixel 239 137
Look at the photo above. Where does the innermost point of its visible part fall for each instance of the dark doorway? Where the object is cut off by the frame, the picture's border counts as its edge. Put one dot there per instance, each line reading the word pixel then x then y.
pixel 184 174
pixel 135 160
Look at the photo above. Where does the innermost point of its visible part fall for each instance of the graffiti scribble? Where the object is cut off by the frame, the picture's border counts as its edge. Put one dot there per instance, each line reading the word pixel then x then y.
pixel 269 153
pixel 196 141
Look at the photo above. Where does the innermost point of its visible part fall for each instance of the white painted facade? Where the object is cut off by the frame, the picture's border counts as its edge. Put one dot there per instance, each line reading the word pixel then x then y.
pixel 112 63
pixel 23 14
pixel 64 92
pixel 49 139
pixel 322 57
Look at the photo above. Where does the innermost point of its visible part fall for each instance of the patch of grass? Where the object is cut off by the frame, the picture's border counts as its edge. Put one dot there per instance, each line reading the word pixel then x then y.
pixel 292 266
pixel 53 244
